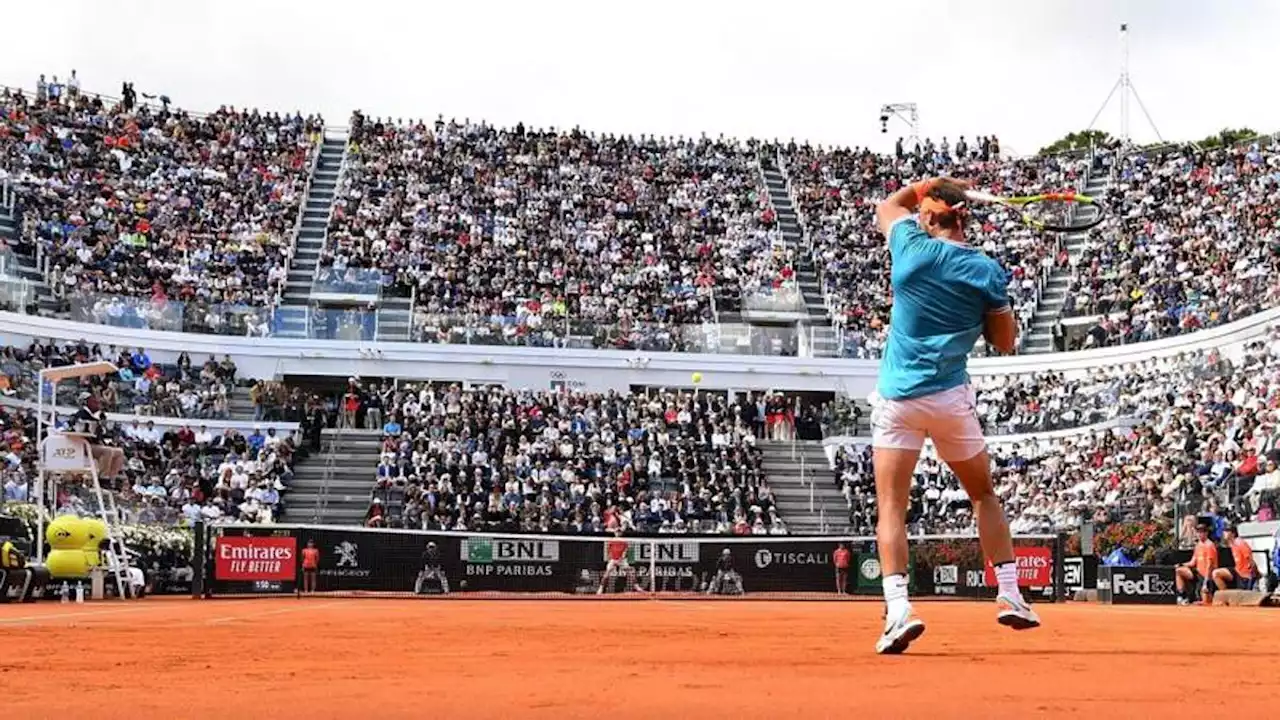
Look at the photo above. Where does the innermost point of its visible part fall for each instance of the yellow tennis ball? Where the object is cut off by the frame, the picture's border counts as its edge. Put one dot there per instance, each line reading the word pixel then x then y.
pixel 67 563
pixel 66 532
pixel 95 531
pixel 697 378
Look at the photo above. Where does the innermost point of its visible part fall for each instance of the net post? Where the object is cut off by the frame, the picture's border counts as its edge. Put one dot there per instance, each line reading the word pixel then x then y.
pixel 198 555
pixel 653 568
pixel 1060 567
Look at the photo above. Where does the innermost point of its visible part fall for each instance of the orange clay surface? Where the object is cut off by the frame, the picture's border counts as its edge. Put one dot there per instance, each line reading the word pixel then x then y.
pixel 373 658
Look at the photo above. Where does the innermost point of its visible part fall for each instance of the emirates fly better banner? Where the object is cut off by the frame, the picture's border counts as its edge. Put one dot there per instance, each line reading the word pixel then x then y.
pixel 255 558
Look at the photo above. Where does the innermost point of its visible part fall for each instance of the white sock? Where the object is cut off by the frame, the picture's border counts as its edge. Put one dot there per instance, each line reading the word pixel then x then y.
pixel 1007 578
pixel 895 595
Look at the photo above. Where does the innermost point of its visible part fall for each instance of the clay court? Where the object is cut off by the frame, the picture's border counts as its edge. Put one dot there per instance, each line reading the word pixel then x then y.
pixel 347 658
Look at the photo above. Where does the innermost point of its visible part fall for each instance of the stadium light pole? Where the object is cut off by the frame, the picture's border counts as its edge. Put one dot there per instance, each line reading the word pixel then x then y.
pixel 908 113
pixel 1124 85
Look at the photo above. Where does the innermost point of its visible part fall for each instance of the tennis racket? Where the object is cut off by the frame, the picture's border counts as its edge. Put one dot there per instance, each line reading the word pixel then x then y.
pixel 1050 212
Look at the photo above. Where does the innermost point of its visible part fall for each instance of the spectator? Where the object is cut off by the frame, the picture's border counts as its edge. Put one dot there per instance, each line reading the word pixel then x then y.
pixel 198 211
pixel 570 462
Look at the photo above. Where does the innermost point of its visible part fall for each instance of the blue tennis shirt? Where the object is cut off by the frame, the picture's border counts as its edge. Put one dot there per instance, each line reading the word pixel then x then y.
pixel 941 293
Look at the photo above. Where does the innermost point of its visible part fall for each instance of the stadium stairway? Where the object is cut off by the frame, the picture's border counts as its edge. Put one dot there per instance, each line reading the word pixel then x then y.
pixel 1049 309
pixel 239 405
pixel 334 486
pixel 803 490
pixel 25 268
pixel 394 318
pixel 291 316
pixel 818 322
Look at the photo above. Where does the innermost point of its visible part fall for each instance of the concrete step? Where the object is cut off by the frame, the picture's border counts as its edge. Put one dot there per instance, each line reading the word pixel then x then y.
pixel 335 516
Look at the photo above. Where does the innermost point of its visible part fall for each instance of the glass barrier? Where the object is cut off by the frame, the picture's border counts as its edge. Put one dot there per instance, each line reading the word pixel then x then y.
pixel 360 282
pixel 162 392
pixel 539 331
pixel 127 312
pixel 784 299
pixel 227 319
pixel 17 295
pixel 342 324
pixel 136 508
pixel 193 317
pixel 9 264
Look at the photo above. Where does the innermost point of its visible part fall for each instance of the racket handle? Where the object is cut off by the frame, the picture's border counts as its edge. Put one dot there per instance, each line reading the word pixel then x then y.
pixel 980 196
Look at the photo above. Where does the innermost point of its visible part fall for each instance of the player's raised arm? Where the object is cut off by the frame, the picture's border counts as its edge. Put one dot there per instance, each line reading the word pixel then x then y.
pixel 906 201
pixel 900 204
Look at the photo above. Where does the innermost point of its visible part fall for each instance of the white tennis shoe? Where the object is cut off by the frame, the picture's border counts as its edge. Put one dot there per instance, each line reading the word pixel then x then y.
pixel 1016 613
pixel 899 633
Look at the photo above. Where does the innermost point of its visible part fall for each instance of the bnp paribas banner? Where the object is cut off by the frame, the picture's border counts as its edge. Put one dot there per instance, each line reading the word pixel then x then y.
pixel 515 565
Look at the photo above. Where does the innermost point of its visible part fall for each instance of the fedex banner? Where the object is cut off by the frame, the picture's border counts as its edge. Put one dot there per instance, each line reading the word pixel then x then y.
pixel 1141 585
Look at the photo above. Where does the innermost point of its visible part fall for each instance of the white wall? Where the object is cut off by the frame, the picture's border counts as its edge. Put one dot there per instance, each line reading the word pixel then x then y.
pixel 586 369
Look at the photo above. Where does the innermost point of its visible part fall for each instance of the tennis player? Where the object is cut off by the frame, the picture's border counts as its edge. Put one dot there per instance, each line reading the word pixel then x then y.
pixel 945 294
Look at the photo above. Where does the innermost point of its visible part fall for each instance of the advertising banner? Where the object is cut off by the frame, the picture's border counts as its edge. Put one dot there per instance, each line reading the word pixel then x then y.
pixel 267 559
pixel 1141 585
pixel 1080 572
pixel 1035 567
pixel 253 560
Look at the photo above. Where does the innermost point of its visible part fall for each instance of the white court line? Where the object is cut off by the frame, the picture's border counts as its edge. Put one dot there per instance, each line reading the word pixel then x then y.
pixel 302 606
pixel 59 616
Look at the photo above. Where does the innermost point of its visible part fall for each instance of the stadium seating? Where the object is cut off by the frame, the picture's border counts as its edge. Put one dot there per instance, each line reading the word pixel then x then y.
pixel 1203 432
pixel 175 471
pixel 522 236
pixel 1192 244
pixel 152 217
pixel 836 191
pixel 570 462
pixel 138 212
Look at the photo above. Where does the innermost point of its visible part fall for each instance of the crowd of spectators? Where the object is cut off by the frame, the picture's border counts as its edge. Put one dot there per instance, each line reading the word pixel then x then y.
pixel 571 462
pixel 526 236
pixel 1193 241
pixel 836 191
pixel 172 471
pixel 1203 432
pixel 155 204
pixel 182 389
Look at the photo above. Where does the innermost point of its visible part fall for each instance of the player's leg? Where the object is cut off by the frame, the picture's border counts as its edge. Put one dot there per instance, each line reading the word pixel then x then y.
pixel 957 434
pixel 1182 577
pixel 897 437
pixel 607 575
pixel 893 469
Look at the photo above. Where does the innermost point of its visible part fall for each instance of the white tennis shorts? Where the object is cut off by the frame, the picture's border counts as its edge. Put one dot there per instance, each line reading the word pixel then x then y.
pixel 949 418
